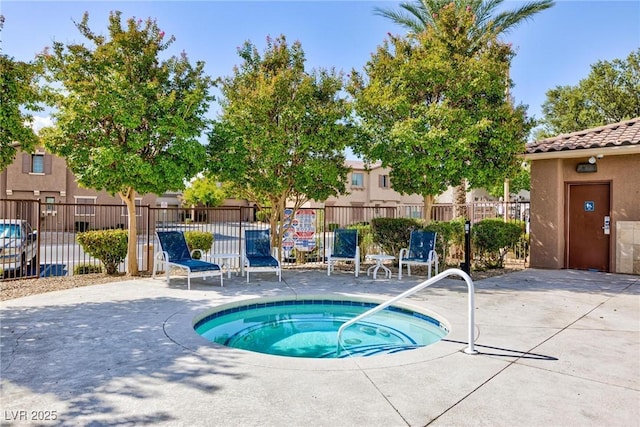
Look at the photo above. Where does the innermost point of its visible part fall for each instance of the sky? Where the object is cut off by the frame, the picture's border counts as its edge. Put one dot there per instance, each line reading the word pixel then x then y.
pixel 555 48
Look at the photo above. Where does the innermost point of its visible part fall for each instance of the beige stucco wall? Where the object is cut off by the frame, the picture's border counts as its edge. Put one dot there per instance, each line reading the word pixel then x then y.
pixel 547 225
pixel 371 194
pixel 59 183
pixel 31 186
pixel 548 179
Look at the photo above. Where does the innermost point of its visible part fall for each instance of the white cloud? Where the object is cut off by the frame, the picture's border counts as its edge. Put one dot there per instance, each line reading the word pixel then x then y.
pixel 41 122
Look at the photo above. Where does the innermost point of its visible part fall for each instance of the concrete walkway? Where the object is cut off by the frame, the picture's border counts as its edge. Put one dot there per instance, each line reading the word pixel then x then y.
pixel 557 348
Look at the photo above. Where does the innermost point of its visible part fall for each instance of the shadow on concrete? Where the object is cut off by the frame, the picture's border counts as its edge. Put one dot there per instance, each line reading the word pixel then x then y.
pixel 488 350
pixel 90 355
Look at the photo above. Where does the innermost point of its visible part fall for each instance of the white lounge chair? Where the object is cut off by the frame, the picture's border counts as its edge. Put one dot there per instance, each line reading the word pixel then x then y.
pixel 175 253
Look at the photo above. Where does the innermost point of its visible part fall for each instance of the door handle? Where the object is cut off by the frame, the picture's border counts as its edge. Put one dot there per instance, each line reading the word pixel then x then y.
pixel 607 224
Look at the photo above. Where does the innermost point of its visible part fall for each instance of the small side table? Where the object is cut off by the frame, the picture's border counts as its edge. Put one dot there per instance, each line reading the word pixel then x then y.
pixel 225 263
pixel 379 259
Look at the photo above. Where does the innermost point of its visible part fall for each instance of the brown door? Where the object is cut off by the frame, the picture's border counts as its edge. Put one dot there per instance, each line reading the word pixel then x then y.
pixel 587 236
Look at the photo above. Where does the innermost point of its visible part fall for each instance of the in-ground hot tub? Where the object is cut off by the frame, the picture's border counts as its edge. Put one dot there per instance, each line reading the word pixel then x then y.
pixel 309 327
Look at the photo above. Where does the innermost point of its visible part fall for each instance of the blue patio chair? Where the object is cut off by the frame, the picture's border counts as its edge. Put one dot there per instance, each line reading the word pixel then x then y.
pixel 345 248
pixel 174 253
pixel 258 254
pixel 421 251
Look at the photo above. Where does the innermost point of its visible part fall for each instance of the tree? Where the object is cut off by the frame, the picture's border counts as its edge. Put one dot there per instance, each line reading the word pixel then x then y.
pixel 418 15
pixel 126 122
pixel 436 115
pixel 609 94
pixel 521 180
pixel 206 191
pixel 282 131
pixel 18 91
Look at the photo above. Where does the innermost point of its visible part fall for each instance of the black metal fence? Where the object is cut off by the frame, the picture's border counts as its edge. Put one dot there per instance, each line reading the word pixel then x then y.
pixel 306 235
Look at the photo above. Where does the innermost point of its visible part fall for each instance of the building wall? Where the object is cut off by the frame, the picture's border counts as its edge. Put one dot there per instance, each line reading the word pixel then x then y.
pixel 373 191
pixel 57 184
pixel 547 224
pixel 548 178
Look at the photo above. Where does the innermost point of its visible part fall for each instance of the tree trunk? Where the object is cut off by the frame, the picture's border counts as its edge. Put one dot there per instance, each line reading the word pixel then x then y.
pixel 276 216
pixel 506 200
pixel 427 208
pixel 460 201
pixel 129 198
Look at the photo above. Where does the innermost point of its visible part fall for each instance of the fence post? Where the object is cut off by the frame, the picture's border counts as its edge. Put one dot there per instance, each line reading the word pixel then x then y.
pixel 148 249
pixel 466 265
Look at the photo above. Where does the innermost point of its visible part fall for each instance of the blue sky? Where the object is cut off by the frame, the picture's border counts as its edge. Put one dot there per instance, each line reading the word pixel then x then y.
pixel 556 48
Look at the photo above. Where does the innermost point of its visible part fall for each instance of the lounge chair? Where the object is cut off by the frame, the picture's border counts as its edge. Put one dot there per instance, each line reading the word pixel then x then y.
pixel 175 254
pixel 345 248
pixel 421 251
pixel 258 256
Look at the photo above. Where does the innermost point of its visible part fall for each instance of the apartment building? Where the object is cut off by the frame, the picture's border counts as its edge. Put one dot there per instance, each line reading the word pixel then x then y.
pixel 370 187
pixel 46 177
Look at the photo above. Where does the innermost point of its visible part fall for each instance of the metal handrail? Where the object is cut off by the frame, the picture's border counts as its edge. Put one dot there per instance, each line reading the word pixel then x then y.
pixel 452 271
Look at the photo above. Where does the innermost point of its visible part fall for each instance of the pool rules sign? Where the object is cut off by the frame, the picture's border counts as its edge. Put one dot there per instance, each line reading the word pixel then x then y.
pixel 299 230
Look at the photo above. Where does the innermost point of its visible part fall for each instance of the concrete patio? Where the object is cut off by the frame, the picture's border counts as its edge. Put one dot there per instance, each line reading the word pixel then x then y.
pixel 557 348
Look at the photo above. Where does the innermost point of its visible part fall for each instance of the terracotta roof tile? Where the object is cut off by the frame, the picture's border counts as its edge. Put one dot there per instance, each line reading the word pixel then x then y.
pixel 613 135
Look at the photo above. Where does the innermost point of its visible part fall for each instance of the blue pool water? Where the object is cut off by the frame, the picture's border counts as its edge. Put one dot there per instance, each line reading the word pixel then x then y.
pixel 309 328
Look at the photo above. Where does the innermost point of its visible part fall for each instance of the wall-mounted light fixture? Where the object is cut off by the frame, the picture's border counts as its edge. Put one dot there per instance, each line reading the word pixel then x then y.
pixel 590 167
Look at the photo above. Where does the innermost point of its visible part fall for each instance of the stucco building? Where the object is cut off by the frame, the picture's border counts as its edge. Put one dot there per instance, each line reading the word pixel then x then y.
pixel 370 194
pixel 45 177
pixel 585 199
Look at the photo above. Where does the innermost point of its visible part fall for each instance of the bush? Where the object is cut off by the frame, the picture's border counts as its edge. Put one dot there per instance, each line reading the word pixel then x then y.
pixel 392 234
pixel 87 269
pixel 198 240
pixel 332 226
pixel 365 239
pixel 262 216
pixel 109 246
pixel 450 237
pixel 492 238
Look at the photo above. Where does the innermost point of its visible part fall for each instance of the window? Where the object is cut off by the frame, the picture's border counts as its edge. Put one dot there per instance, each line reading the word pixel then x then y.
pixel 357 179
pixel 37 163
pixel 383 181
pixel 49 201
pixel 85 206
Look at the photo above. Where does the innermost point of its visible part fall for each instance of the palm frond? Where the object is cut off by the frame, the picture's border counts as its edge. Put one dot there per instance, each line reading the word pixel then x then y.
pixel 403 19
pixel 508 20
pixel 418 15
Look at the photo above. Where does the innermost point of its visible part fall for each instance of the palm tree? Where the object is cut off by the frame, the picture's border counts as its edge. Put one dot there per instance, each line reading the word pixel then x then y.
pixel 418 15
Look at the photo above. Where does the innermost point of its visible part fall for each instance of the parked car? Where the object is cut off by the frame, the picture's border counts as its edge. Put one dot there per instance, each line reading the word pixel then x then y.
pixel 18 246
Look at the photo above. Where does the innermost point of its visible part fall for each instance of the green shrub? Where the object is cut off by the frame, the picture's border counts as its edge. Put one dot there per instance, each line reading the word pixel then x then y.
pixel 392 234
pixel 87 269
pixel 365 239
pixel 198 240
pixel 109 246
pixel 332 226
pixel 492 238
pixel 262 216
pixel 450 237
